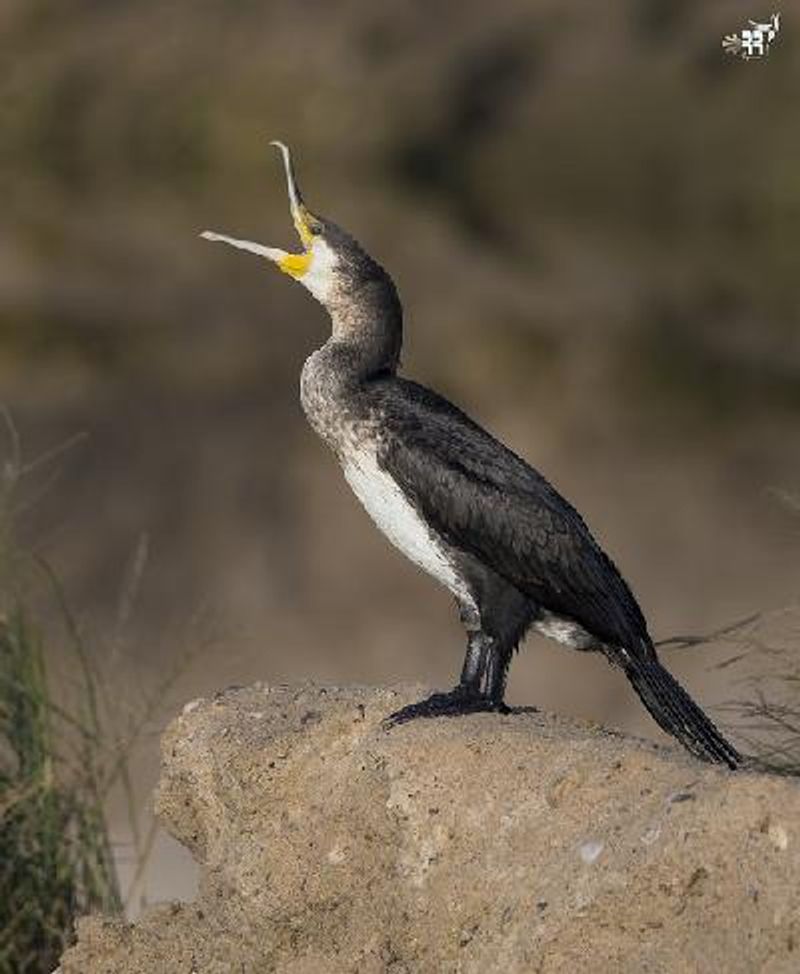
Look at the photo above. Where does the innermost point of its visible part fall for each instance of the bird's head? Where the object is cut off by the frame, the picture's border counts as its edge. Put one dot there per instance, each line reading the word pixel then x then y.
pixel 331 265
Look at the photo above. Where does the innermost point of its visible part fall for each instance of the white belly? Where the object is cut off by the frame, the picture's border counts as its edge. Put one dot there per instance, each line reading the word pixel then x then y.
pixel 394 515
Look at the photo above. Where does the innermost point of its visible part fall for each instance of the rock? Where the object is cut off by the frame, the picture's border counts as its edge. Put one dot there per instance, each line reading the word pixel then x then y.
pixel 519 843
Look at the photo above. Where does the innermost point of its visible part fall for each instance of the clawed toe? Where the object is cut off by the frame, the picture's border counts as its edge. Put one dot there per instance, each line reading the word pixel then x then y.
pixel 450 704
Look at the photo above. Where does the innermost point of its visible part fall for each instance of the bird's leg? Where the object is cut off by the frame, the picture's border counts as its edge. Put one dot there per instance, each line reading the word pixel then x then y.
pixel 472 671
pixel 496 674
pixel 466 697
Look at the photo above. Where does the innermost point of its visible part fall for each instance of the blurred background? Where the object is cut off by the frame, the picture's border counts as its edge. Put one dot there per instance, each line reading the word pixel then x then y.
pixel 591 213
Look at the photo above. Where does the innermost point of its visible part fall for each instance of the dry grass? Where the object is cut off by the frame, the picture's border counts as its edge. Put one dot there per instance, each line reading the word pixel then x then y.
pixel 56 860
pixel 64 747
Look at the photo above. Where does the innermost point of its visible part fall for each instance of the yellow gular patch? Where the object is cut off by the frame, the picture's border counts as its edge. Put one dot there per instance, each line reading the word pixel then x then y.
pixel 296 265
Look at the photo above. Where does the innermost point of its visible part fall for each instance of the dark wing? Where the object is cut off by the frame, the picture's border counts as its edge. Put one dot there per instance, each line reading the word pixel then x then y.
pixel 485 500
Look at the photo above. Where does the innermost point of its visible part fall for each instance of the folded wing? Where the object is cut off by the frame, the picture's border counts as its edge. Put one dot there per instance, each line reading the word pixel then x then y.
pixel 485 500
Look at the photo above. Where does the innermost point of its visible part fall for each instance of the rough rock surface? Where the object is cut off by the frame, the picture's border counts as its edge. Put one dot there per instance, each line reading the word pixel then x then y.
pixel 518 843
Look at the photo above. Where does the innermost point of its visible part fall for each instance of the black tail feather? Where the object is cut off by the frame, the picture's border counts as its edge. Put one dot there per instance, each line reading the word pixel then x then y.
pixel 674 710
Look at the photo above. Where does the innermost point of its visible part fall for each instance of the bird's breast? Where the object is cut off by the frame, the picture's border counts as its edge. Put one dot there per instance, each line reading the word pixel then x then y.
pixel 393 513
pixel 328 404
pixel 342 415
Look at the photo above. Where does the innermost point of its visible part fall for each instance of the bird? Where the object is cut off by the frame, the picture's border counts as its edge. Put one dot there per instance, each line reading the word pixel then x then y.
pixel 513 552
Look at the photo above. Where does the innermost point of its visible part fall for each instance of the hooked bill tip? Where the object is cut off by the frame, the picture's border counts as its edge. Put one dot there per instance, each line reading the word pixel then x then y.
pixel 295 196
pixel 283 148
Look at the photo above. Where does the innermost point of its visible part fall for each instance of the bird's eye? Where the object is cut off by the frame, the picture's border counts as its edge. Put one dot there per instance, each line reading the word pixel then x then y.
pixel 316 229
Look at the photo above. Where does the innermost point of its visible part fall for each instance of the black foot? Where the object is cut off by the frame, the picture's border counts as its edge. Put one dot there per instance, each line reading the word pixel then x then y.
pixel 452 704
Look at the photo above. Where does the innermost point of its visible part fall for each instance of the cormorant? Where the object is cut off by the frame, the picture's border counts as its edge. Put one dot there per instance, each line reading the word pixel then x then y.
pixel 457 502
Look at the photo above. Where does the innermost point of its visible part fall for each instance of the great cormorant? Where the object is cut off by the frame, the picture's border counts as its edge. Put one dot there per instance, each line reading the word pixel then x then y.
pixel 457 502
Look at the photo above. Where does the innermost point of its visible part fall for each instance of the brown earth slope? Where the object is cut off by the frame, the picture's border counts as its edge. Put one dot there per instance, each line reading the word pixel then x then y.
pixel 486 843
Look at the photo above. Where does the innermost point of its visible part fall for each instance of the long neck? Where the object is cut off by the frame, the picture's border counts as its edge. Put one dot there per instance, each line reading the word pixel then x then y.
pixel 368 321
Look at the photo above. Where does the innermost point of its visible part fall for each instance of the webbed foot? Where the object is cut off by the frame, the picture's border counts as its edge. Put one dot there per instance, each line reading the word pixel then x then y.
pixel 455 702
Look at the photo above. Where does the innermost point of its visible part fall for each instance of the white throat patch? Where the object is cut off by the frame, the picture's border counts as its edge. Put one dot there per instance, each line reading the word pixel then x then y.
pixel 320 277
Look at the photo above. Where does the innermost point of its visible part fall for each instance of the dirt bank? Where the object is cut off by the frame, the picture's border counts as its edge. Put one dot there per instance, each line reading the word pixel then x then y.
pixel 484 843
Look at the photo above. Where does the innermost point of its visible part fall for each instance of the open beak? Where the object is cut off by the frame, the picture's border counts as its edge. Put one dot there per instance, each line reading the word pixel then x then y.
pixel 300 215
pixel 294 264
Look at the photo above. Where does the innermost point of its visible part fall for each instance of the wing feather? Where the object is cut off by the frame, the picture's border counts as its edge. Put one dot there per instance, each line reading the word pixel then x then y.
pixel 485 500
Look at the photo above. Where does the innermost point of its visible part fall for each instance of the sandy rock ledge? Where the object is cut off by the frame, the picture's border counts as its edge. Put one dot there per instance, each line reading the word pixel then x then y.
pixel 518 843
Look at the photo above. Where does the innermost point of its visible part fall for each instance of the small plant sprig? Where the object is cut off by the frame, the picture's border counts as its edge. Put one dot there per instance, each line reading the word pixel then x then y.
pixel 768 710
pixel 767 714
